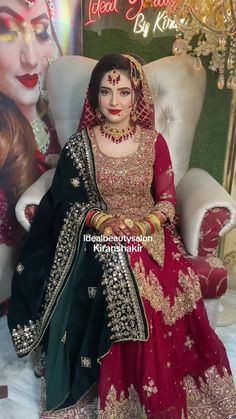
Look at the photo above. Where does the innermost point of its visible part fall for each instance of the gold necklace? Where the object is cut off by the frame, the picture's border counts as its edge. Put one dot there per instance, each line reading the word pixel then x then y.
pixel 41 134
pixel 117 135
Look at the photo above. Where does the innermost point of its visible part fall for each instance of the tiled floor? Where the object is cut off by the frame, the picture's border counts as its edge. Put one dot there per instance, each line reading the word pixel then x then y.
pixel 23 387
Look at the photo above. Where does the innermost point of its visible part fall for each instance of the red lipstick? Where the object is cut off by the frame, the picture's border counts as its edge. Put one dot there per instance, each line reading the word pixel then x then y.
pixel 114 111
pixel 28 80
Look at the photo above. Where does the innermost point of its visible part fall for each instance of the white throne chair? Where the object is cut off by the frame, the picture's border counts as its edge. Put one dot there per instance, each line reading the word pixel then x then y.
pixel 206 210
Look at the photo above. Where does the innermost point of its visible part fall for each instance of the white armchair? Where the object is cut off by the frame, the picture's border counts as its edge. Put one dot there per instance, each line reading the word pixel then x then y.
pixel 206 210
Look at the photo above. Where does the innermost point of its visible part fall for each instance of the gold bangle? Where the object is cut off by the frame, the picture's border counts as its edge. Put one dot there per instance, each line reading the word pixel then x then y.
pixel 92 218
pixel 155 220
pixel 101 220
pixel 148 227
pixel 141 227
pixel 97 217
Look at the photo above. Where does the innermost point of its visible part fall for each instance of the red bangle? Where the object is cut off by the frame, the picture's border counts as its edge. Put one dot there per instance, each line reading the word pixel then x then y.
pixel 152 227
pixel 88 217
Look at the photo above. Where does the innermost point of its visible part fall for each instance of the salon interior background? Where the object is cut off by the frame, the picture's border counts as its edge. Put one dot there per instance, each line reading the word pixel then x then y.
pixel 95 27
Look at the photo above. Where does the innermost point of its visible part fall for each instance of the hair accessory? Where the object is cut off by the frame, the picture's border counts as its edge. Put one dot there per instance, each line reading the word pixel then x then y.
pixel 117 135
pixel 113 77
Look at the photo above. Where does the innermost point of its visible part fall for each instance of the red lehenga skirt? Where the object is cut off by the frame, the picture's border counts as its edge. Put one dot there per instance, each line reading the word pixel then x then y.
pixel 181 371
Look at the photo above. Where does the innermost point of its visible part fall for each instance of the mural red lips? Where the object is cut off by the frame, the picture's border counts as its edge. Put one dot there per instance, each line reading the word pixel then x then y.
pixel 28 80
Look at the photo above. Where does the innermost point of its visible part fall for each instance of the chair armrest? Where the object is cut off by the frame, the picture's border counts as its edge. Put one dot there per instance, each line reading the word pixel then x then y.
pixel 33 196
pixel 197 192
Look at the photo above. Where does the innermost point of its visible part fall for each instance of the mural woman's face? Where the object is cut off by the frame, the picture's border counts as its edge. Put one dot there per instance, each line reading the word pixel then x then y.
pixel 25 46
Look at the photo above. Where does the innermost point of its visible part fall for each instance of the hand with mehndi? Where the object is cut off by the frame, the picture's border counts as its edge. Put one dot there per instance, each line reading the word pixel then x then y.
pixel 117 226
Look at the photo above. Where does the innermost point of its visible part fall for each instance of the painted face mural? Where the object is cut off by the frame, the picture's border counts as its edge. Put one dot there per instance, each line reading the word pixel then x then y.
pixel 28 142
pixel 25 49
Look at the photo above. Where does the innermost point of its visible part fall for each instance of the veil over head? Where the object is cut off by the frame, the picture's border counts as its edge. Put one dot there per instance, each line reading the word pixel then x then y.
pixel 143 107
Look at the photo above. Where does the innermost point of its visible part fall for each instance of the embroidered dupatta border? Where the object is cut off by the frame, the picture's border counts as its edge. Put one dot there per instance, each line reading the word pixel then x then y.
pixel 27 337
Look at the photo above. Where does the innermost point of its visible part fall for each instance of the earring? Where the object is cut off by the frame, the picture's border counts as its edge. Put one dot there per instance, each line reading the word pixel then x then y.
pixel 99 116
pixel 42 90
pixel 133 113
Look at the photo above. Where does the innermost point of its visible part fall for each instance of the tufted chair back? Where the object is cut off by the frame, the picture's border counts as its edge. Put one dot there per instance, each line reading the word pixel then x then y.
pixel 177 90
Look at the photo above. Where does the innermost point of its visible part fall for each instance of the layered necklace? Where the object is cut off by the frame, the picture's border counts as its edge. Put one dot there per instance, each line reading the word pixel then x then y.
pixel 117 135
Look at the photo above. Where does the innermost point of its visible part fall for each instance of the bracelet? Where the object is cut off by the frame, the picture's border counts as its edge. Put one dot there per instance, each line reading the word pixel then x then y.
pixel 151 225
pixel 141 227
pixel 155 220
pixel 147 226
pixel 94 217
pixel 89 216
pixel 101 219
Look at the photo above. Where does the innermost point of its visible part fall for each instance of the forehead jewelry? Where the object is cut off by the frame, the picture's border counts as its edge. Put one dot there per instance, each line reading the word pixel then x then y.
pixel 30 3
pixel 113 77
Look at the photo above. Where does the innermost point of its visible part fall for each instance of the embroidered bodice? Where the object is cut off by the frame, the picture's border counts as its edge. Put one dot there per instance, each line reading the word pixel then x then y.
pixel 125 182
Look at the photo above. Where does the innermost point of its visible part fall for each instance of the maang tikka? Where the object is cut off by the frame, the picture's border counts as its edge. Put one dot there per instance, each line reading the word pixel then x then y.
pixel 113 77
pixel 31 3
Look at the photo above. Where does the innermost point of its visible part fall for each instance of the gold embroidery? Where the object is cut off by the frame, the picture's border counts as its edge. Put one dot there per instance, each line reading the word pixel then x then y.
pixel 189 342
pixel 85 408
pixel 170 171
pixel 123 407
pixel 176 256
pixel 92 292
pixel 75 182
pixel 86 362
pixel 126 314
pixel 214 262
pixel 156 247
pixel 125 188
pixel 214 397
pixel 20 268
pixel 150 388
pixel 184 301
pixel 167 208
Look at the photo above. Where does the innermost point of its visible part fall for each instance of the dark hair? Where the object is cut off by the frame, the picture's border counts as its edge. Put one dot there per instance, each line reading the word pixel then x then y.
pixel 107 63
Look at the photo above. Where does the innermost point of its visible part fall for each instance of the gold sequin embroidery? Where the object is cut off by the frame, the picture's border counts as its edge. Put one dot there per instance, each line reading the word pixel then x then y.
pixel 150 388
pixel 125 182
pixel 20 268
pixel 156 247
pixel 86 362
pixel 184 301
pixel 123 407
pixel 213 398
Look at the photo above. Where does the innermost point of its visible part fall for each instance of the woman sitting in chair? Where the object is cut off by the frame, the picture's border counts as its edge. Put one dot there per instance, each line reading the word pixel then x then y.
pixel 101 286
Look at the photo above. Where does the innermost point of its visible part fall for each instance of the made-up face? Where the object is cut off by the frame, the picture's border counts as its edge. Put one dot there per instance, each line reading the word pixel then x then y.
pixel 116 98
pixel 25 47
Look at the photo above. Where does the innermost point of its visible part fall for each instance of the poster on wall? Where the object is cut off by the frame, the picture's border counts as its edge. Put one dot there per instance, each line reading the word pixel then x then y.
pixel 28 141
